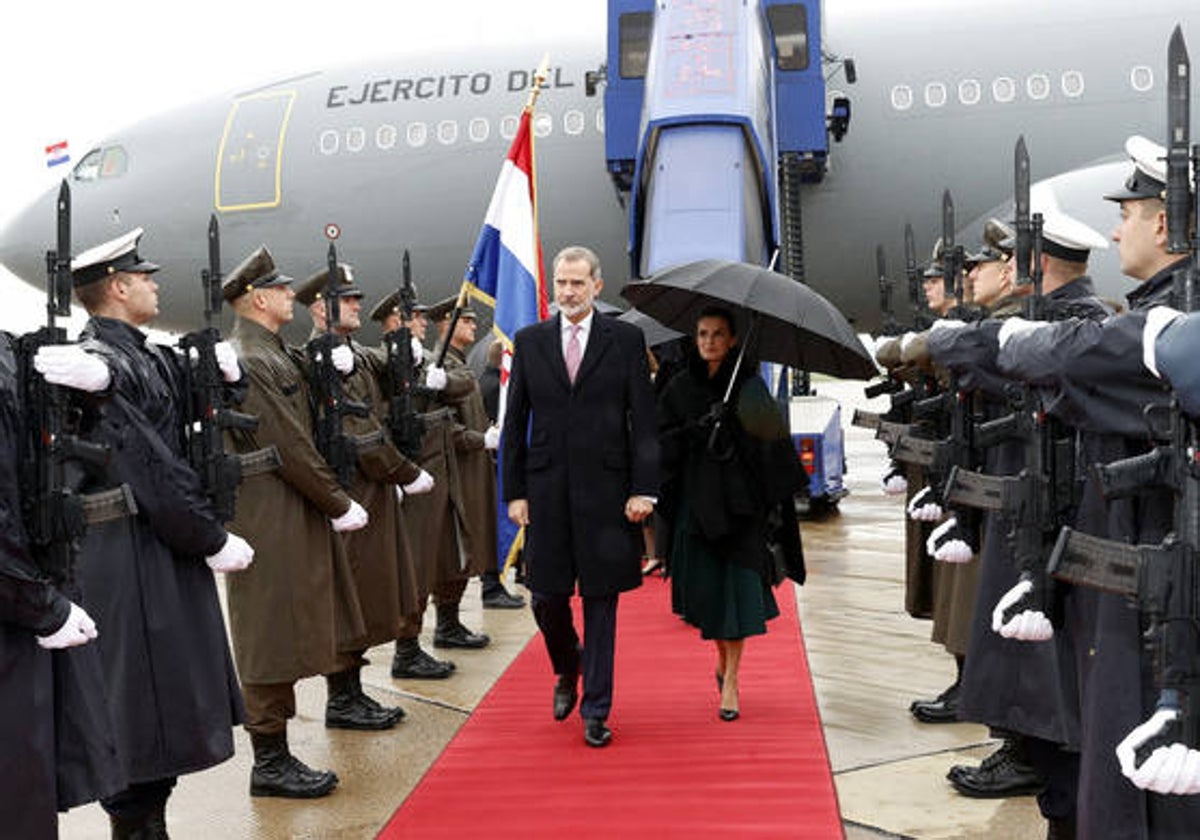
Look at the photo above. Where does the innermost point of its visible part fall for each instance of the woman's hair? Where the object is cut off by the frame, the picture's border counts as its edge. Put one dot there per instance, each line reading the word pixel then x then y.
pixel 721 312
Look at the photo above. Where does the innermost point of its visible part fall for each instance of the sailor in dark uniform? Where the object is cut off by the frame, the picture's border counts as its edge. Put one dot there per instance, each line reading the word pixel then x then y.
pixel 148 579
pixel 1104 387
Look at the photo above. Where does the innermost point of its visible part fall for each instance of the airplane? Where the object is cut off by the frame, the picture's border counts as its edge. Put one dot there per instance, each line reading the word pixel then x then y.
pixel 404 153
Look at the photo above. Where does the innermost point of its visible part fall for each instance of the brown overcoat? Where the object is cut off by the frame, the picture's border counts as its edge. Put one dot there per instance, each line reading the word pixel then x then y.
pixel 295 607
pixel 476 470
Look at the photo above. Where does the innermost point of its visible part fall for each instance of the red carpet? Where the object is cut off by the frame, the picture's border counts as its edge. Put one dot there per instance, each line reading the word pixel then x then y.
pixel 673 768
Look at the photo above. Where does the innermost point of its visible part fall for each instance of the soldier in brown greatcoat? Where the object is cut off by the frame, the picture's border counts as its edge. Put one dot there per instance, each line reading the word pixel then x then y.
pixel 476 462
pixel 379 554
pixel 295 608
pixel 410 660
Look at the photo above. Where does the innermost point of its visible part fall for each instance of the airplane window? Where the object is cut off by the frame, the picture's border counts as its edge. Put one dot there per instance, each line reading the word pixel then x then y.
pixel 385 136
pixel 542 125
pixel 902 97
pixel 447 132
pixel 573 122
pixel 508 127
pixel 478 129
pixel 1004 89
pixel 109 162
pixel 635 28
pixel 418 133
pixel 115 162
pixel 1072 83
pixel 329 142
pixel 935 94
pixel 1142 78
pixel 88 169
pixel 1038 86
pixel 969 92
pixel 789 27
pixel 356 138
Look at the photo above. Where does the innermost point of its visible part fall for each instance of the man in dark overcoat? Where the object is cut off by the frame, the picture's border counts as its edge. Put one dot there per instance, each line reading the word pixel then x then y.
pixel 170 686
pixel 580 475
pixel 296 607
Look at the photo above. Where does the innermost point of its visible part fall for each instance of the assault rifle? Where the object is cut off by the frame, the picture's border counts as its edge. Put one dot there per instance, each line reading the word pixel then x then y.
pixel 922 317
pixel 1161 578
pixel 208 415
pixel 55 516
pixel 330 403
pixel 890 327
pixel 405 424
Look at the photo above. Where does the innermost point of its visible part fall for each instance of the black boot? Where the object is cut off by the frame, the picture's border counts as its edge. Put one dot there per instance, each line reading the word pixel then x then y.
pixel 942 709
pixel 413 663
pixel 152 826
pixel 367 700
pixel 450 633
pixel 495 596
pixel 345 708
pixel 277 772
pixel 1004 773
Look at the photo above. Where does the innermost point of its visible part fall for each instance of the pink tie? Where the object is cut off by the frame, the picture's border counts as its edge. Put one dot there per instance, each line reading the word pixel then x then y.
pixel 573 353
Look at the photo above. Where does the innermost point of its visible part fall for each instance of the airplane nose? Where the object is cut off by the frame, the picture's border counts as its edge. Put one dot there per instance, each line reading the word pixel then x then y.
pixel 27 236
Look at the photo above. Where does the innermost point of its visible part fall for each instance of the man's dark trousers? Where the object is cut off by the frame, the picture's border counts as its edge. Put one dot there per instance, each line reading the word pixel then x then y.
pixel 554 619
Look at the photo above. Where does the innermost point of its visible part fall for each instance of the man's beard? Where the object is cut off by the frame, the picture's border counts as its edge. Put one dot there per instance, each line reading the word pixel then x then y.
pixel 574 309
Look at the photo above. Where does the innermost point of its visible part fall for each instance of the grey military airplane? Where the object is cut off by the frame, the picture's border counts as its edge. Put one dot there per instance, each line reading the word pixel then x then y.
pixel 404 153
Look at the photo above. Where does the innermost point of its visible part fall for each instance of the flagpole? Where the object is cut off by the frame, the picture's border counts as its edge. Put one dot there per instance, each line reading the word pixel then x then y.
pixel 539 79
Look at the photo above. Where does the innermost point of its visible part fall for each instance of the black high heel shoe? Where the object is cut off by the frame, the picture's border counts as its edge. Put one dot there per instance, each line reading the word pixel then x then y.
pixel 728 714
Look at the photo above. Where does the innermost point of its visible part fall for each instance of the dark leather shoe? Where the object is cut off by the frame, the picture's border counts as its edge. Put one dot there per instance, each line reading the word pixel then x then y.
pixel 565 695
pixel 1060 829
pixel 1008 749
pixel 416 664
pixel 943 709
pixel 501 599
pixel 277 772
pixel 595 733
pixel 348 711
pixel 457 636
pixel 1007 777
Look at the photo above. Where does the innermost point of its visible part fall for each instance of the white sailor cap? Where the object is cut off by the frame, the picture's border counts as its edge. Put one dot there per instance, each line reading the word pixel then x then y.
pixel 1063 236
pixel 1149 176
pixel 109 258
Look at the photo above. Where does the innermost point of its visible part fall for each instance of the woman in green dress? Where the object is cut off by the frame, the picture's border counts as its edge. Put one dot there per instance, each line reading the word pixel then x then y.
pixel 729 476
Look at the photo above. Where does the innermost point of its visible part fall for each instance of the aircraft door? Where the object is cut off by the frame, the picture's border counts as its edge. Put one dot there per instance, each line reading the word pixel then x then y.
pixel 249 163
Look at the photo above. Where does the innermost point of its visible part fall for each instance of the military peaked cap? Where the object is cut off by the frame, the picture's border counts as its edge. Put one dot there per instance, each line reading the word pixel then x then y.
pixel 391 304
pixel 257 271
pixel 110 258
pixel 314 287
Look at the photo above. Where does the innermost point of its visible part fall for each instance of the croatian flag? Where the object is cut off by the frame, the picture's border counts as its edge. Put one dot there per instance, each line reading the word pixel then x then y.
pixel 57 154
pixel 506 273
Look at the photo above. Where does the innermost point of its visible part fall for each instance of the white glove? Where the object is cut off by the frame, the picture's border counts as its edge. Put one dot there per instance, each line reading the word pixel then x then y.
pixel 435 378
pixel 418 349
pixel 1171 770
pixel 1016 326
pixel 923 508
pixel 353 519
pixel 948 324
pixel 1026 626
pixel 234 556
pixel 72 366
pixel 907 339
pixel 952 550
pixel 227 361
pixel 421 484
pixel 894 483
pixel 1157 320
pixel 343 359
pixel 491 438
pixel 78 629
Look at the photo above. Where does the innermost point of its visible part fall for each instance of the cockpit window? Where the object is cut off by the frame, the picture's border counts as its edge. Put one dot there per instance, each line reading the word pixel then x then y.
pixel 789 27
pixel 635 30
pixel 107 162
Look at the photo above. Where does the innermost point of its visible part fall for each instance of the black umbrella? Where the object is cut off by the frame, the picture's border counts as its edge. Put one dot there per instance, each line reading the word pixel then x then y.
pixel 655 332
pixel 786 321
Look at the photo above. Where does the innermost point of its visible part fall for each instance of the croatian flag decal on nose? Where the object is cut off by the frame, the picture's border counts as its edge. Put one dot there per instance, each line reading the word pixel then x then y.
pixel 57 154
